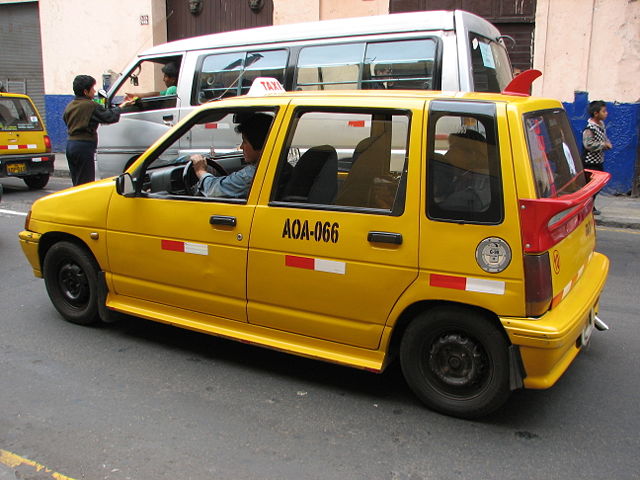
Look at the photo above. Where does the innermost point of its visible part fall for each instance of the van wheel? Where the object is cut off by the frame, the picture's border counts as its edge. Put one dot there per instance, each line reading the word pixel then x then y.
pixel 71 277
pixel 456 361
pixel 36 182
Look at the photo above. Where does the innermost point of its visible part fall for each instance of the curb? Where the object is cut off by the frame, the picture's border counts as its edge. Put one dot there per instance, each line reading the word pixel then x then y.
pixel 618 224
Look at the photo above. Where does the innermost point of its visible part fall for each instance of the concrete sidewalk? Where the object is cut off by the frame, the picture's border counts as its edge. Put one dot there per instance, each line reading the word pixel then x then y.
pixel 617 211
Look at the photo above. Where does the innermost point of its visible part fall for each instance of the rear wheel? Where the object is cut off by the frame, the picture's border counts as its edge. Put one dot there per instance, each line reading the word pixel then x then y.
pixel 71 277
pixel 456 361
pixel 36 182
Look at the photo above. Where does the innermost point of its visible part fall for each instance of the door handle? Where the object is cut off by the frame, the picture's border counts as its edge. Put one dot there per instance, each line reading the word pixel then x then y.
pixel 385 237
pixel 168 120
pixel 223 220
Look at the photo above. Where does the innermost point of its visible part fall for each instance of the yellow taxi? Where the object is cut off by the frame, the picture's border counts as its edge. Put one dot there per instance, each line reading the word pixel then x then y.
pixel 25 147
pixel 451 231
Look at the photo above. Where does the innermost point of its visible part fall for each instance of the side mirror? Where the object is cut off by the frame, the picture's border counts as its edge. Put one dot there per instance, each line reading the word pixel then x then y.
pixel 102 93
pixel 125 185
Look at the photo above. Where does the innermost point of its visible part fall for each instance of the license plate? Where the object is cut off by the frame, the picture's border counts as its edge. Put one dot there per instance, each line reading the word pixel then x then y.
pixel 16 168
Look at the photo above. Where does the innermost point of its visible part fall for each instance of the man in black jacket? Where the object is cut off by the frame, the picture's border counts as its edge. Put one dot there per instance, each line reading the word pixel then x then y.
pixel 82 117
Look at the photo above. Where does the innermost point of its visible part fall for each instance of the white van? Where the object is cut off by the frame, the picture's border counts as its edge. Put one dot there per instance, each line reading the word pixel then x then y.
pixel 436 50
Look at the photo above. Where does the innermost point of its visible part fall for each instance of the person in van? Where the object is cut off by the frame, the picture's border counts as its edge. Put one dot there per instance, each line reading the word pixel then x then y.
pixel 82 117
pixel 382 72
pixel 170 79
pixel 254 131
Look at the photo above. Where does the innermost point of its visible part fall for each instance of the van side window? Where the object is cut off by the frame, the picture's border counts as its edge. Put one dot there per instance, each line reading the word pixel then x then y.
pixel 329 67
pixel 464 170
pixel 230 74
pixel 345 160
pixel 490 64
pixel 404 64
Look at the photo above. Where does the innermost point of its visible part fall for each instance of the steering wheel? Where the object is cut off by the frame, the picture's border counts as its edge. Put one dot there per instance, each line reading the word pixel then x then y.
pixel 190 179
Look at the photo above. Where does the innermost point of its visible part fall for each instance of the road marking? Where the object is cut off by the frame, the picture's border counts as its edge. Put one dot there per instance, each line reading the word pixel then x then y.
pixel 621 230
pixel 13 212
pixel 16 461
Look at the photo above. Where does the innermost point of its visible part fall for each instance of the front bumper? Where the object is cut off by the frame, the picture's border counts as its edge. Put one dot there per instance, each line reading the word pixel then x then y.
pixel 26 165
pixel 549 344
pixel 30 241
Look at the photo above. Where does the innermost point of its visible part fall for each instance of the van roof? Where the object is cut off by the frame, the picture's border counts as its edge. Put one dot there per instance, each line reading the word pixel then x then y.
pixel 343 27
pixel 411 94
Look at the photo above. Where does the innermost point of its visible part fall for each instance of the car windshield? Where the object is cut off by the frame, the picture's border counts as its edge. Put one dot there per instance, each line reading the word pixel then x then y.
pixel 554 155
pixel 18 114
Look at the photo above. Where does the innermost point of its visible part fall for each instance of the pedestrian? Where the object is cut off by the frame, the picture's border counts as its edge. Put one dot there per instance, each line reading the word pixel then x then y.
pixel 595 140
pixel 82 117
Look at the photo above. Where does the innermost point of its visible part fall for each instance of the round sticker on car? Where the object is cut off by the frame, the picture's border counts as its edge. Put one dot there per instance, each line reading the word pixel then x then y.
pixel 493 254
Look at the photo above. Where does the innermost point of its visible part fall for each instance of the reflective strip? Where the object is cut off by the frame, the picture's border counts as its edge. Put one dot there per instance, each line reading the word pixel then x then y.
pixel 480 285
pixel 316 264
pixel 567 288
pixel 196 248
pixel 185 247
pixel 485 286
pixel 17 147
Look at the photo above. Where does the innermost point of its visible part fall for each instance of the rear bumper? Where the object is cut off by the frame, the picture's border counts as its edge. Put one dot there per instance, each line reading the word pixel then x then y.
pixel 549 344
pixel 30 241
pixel 26 165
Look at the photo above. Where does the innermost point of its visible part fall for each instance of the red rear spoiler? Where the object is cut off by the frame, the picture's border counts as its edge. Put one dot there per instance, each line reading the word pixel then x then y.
pixel 546 221
pixel 521 84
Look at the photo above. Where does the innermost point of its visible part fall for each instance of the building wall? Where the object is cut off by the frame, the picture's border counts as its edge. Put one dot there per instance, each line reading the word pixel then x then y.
pixel 91 37
pixel 286 11
pixel 588 45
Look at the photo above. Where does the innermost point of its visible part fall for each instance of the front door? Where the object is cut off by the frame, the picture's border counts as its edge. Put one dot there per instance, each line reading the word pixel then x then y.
pixel 334 241
pixel 169 247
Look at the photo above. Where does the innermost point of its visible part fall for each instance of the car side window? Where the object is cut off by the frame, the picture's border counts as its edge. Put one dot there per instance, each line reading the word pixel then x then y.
pixel 345 160
pixel 213 135
pixel 463 170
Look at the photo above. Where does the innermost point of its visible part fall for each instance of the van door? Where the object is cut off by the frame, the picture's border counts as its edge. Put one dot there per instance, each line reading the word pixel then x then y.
pixel 144 122
pixel 334 239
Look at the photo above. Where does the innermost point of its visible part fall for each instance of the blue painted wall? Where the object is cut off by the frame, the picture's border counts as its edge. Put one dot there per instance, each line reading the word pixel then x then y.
pixel 623 125
pixel 54 106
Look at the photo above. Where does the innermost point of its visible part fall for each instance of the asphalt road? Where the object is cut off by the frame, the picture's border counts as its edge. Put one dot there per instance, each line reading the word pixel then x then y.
pixel 139 400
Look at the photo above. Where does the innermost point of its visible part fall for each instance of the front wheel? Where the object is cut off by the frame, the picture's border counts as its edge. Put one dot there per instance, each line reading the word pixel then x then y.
pixel 71 277
pixel 456 361
pixel 36 182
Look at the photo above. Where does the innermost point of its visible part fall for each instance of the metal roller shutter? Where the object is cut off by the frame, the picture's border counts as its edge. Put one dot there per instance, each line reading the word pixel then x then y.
pixel 21 52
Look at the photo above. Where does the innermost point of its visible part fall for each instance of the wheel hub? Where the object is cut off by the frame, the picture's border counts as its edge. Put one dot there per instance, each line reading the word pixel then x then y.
pixel 73 284
pixel 457 360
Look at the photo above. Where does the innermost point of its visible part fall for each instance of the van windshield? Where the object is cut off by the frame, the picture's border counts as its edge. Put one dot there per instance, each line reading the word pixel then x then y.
pixel 490 64
pixel 18 114
pixel 556 163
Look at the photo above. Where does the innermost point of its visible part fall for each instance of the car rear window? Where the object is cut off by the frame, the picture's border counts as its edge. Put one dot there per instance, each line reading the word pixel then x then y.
pixel 555 160
pixel 18 114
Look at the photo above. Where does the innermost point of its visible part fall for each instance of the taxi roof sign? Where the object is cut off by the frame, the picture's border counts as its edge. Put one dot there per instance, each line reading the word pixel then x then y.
pixel 262 86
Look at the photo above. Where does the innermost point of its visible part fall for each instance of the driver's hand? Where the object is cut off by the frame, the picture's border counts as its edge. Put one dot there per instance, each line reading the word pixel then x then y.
pixel 199 164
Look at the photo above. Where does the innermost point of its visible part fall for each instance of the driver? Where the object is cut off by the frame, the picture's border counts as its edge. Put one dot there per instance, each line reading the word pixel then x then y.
pixel 254 131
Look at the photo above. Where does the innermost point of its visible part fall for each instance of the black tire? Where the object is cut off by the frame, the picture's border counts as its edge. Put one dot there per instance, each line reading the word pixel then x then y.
pixel 36 182
pixel 456 361
pixel 71 277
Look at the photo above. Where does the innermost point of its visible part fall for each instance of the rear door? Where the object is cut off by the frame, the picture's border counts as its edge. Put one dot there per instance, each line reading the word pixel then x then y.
pixel 559 180
pixel 334 239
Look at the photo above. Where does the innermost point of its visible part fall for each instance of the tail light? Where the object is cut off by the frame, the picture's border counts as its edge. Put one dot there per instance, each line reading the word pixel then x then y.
pixel 47 143
pixel 538 287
